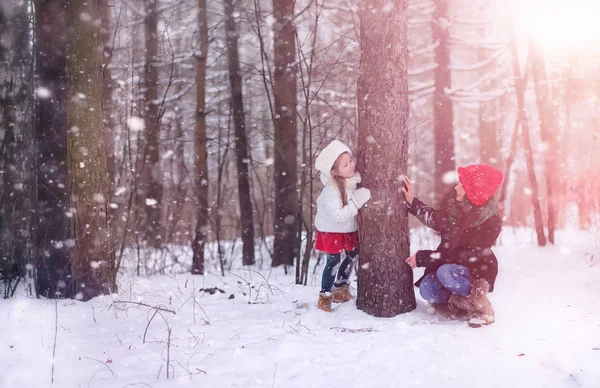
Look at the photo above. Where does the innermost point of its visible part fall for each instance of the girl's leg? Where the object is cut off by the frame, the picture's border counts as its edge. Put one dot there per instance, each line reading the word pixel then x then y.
pixel 432 290
pixel 345 271
pixel 330 271
pixel 455 278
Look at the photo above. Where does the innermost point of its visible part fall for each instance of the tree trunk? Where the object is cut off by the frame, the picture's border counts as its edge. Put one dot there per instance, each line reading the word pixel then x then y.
pixel 443 132
pixel 385 286
pixel 241 140
pixel 107 89
pixel 150 202
pixel 16 154
pixel 201 161
pixel 285 150
pixel 522 117
pixel 92 258
pixel 548 132
pixel 53 231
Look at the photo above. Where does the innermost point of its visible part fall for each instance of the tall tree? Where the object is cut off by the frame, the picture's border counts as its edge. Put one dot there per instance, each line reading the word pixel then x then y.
pixel 150 196
pixel 16 131
pixel 520 86
pixel 285 223
pixel 548 132
pixel 92 258
pixel 201 161
pixel 385 286
pixel 241 140
pixel 53 235
pixel 443 131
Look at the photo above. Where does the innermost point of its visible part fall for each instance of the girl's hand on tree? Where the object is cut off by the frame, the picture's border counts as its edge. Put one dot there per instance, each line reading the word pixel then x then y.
pixel 407 190
pixel 412 260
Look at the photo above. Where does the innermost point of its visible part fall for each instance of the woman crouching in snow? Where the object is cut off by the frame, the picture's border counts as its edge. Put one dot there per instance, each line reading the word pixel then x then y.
pixel 337 207
pixel 462 270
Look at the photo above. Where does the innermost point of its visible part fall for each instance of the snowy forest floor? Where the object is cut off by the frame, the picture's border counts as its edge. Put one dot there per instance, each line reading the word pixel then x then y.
pixel 547 332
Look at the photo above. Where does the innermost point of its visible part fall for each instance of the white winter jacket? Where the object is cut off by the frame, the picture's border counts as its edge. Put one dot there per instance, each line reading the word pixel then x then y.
pixel 332 216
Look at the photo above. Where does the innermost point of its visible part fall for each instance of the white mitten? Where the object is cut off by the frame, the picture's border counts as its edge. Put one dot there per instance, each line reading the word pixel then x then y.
pixel 361 196
pixel 353 181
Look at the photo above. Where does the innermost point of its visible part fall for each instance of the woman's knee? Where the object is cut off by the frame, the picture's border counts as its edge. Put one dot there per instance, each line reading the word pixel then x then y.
pixel 432 291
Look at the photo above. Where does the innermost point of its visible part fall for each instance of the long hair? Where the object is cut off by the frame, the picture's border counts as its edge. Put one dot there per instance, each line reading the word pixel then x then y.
pixel 341 181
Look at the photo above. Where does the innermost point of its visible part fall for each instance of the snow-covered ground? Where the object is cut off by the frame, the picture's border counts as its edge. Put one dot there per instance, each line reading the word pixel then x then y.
pixel 547 334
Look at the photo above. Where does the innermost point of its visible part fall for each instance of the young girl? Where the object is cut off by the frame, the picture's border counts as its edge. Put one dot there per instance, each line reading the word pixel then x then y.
pixel 337 207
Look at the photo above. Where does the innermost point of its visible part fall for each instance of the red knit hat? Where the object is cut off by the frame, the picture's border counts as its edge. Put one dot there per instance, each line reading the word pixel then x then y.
pixel 480 182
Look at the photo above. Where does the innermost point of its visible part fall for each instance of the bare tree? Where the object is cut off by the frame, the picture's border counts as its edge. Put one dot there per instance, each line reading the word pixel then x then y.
pixel 442 108
pixel 284 92
pixel 548 132
pixel 520 87
pixel 53 230
pixel 92 258
pixel 385 286
pixel 150 189
pixel 241 139
pixel 201 160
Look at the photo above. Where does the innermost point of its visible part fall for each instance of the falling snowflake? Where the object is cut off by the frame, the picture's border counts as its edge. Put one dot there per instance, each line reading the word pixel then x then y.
pixel 136 124
pixel 43 92
pixel 449 178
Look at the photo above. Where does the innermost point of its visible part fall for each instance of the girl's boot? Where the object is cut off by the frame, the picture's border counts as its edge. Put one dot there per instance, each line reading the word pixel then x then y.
pixel 324 302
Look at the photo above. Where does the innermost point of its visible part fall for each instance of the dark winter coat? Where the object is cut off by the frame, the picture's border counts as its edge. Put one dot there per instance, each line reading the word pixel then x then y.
pixel 469 247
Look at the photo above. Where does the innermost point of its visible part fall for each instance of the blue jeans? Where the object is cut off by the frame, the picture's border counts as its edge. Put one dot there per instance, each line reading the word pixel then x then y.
pixel 336 273
pixel 438 286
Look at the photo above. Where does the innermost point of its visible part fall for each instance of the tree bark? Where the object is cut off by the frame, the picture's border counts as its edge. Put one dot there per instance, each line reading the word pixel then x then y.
pixel 54 230
pixel 443 130
pixel 241 140
pixel 548 132
pixel 16 153
pixel 522 117
pixel 284 92
pixel 385 286
pixel 150 201
pixel 92 259
pixel 201 161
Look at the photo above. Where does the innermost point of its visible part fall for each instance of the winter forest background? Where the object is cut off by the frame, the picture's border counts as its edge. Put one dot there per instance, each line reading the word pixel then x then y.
pixel 131 129
pixel 157 189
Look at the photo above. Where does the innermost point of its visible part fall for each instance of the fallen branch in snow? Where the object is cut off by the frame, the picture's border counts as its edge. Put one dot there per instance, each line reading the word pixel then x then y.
pixel 346 330
pixel 157 308
pixel 168 351
pixel 55 335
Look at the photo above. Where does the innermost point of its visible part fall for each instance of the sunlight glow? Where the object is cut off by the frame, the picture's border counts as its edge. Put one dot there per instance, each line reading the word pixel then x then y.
pixel 560 25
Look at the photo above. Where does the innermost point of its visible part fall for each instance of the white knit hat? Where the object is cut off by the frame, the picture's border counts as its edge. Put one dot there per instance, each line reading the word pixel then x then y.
pixel 329 155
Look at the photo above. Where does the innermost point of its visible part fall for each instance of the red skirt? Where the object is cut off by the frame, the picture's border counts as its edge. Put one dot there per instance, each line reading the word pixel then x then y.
pixel 336 242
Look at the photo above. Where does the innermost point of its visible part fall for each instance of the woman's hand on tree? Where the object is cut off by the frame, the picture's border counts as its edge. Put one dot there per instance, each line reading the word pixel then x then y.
pixel 407 190
pixel 412 260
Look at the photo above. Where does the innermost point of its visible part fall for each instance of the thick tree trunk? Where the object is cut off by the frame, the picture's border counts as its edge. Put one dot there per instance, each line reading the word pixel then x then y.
pixel 201 161
pixel 285 224
pixel 548 132
pixel 522 117
pixel 107 89
pixel 443 131
pixel 16 155
pixel 53 231
pixel 92 259
pixel 241 140
pixel 150 197
pixel 385 286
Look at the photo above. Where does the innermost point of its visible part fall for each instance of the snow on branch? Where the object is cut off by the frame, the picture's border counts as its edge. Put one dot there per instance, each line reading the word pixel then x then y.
pixel 424 69
pixel 418 87
pixel 491 95
pixel 423 50
pixel 478 65
pixel 479 43
pixel 492 74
